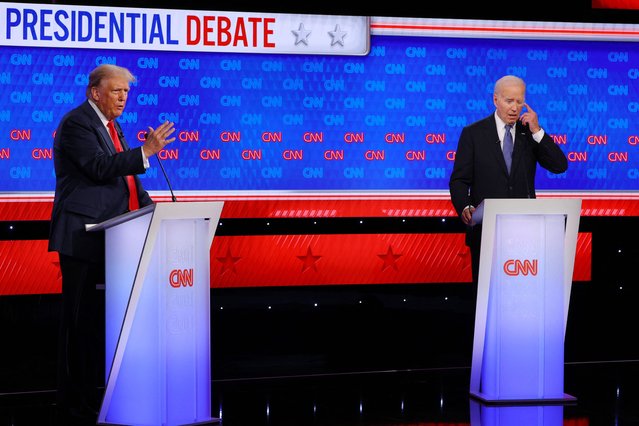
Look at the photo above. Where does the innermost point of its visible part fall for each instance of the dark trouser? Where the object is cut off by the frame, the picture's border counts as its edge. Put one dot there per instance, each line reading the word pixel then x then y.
pixel 474 243
pixel 79 334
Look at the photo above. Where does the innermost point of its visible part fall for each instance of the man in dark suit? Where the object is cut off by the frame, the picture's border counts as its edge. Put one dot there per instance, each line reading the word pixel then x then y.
pixel 481 170
pixel 95 181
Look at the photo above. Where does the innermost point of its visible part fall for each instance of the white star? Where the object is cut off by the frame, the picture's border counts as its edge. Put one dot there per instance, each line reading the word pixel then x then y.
pixel 301 35
pixel 337 36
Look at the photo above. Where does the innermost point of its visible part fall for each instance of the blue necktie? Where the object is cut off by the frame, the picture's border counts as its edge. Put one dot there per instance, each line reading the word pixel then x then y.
pixel 508 146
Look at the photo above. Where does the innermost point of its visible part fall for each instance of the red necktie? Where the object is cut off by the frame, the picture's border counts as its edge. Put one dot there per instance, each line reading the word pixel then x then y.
pixel 133 192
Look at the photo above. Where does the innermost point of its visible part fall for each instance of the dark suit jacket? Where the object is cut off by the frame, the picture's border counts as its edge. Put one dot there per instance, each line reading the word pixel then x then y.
pixel 480 171
pixel 90 182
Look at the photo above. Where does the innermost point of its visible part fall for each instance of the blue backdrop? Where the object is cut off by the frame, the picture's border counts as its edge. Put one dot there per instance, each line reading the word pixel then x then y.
pixel 386 121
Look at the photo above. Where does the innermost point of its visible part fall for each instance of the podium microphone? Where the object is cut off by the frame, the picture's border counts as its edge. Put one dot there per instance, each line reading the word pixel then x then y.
pixel 166 177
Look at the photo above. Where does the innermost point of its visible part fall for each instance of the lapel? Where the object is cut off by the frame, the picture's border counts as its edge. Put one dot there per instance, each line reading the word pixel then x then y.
pixel 104 139
pixel 494 144
pixel 520 145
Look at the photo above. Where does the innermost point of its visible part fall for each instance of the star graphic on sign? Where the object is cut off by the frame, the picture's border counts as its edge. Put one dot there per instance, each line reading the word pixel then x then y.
pixel 228 261
pixel 337 36
pixel 301 35
pixel 309 260
pixel 389 259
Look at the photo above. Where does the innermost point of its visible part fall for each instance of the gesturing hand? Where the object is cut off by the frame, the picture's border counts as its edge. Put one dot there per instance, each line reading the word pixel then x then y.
pixel 158 138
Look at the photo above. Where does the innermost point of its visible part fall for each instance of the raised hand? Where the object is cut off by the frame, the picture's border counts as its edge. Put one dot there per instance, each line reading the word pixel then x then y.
pixel 158 138
pixel 530 119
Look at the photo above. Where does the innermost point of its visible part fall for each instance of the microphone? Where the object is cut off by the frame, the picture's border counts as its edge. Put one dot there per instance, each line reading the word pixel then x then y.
pixel 166 177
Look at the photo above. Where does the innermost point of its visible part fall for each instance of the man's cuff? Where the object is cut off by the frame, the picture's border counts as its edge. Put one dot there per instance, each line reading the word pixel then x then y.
pixel 144 159
pixel 539 135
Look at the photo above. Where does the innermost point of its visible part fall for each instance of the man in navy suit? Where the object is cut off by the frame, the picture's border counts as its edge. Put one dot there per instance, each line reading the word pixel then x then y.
pixel 480 170
pixel 95 181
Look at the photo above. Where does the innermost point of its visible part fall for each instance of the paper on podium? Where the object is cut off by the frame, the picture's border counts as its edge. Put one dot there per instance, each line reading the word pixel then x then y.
pixel 478 214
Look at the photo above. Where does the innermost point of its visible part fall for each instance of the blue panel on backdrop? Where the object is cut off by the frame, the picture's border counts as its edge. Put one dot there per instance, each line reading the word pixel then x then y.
pixel 386 121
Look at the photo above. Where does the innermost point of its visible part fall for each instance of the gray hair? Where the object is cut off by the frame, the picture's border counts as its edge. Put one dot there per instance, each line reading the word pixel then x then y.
pixel 506 81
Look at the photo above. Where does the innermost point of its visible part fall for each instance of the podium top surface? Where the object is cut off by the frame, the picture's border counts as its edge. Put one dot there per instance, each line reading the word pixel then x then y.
pixel 120 219
pixel 173 210
pixel 531 206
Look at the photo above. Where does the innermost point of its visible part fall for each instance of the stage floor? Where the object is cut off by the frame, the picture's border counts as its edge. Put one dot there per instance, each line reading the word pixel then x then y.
pixel 606 392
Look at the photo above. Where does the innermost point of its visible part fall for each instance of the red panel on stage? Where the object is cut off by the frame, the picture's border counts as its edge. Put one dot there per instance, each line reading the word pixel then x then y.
pixel 615 4
pixel 297 260
pixel 27 268
pixel 25 209
pixel 289 260
pixel 293 260
pixel 583 258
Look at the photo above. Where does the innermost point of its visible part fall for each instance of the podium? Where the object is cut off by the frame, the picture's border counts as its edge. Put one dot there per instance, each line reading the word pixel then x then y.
pixel 520 415
pixel 525 277
pixel 157 308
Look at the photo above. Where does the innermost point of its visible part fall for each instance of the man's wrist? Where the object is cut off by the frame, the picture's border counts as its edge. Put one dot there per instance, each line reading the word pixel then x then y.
pixel 538 135
pixel 145 159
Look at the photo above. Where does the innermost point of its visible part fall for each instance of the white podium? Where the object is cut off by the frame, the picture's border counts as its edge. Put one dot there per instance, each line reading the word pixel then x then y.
pixel 525 277
pixel 157 297
pixel 520 415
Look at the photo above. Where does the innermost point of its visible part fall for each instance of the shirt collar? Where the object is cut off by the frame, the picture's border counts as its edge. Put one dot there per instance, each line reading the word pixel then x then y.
pixel 500 123
pixel 102 117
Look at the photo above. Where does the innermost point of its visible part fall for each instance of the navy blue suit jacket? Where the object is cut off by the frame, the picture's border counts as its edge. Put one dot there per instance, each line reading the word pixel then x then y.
pixel 90 182
pixel 480 171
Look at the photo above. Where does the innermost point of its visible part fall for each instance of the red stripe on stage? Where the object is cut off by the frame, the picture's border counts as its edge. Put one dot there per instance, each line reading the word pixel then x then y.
pixel 296 207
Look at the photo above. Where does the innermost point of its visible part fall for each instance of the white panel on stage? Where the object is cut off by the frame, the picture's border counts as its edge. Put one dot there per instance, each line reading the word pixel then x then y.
pixel 525 275
pixel 158 360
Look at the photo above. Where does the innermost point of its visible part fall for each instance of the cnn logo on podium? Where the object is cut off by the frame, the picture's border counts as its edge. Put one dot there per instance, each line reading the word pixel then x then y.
pixel 181 278
pixel 516 267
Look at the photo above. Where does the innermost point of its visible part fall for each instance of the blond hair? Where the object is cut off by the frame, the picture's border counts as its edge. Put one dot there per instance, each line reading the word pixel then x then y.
pixel 106 71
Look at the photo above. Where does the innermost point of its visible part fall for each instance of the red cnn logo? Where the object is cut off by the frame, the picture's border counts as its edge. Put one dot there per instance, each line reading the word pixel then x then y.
pixel 514 267
pixel 181 278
